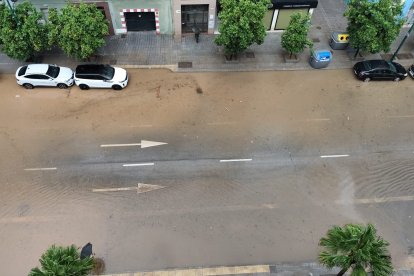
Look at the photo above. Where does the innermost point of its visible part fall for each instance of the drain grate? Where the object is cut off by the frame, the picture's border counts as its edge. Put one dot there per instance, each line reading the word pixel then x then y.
pixel 123 35
pixel 185 64
pixel 249 55
pixel 112 61
pixel 316 40
pixel 405 56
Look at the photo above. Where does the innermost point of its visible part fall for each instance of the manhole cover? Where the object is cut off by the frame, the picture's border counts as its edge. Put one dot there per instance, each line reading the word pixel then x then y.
pixel 250 55
pixel 185 64
pixel 316 40
pixel 405 56
pixel 123 35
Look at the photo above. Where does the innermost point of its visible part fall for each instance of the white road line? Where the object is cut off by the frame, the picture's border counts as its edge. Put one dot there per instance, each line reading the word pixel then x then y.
pixel 120 145
pixel 235 160
pixel 318 119
pixel 334 156
pixel 40 169
pixel 138 165
pixel 377 200
pixel 401 116
pixel 115 189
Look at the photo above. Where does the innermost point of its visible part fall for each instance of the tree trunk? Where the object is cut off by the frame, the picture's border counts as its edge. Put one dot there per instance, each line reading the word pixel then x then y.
pixel 356 53
pixel 342 272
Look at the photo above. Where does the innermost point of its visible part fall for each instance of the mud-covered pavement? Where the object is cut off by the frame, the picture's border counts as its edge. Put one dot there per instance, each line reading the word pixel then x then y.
pixel 256 168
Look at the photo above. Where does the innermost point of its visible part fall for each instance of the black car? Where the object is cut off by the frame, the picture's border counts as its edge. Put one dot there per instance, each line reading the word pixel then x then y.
pixel 411 71
pixel 379 70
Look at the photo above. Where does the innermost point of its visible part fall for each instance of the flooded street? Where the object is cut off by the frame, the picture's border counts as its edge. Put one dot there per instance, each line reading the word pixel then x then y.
pixel 255 168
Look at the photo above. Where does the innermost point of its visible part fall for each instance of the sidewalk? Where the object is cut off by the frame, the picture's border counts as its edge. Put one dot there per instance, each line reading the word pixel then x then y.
pixel 306 269
pixel 146 50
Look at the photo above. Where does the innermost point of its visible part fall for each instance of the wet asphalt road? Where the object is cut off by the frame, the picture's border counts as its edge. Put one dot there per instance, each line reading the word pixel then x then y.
pixel 255 169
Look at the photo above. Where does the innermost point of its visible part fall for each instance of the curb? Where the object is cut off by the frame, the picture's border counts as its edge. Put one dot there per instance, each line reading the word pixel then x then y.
pixel 211 271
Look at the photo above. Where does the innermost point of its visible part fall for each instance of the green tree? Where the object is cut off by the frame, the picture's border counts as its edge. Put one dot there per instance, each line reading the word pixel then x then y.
pixel 373 25
pixel 294 38
pixel 241 25
pixel 63 261
pixel 79 30
pixel 358 247
pixel 23 33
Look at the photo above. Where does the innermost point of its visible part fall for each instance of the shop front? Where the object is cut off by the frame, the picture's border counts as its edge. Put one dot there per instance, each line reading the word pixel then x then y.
pixel 192 15
pixel 278 15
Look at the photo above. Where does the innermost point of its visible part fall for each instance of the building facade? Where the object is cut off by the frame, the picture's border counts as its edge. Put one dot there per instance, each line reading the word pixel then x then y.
pixel 179 17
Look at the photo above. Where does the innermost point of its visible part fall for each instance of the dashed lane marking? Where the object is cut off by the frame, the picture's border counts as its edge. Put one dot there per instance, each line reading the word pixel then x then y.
pixel 138 164
pixel 40 169
pixel 334 156
pixel 235 160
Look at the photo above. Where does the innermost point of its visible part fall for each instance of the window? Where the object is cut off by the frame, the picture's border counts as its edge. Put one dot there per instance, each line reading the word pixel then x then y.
pixel 37 77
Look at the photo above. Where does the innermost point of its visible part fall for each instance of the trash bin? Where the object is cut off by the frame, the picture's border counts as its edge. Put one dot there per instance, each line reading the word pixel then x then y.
pixel 320 58
pixel 339 40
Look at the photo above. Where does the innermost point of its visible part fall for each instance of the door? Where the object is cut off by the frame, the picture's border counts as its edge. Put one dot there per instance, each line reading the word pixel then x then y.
pixel 140 21
pixel 41 80
pixel 194 16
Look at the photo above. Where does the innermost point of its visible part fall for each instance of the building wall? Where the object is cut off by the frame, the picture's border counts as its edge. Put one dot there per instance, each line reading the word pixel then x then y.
pixel 44 5
pixel 163 8
pixel 212 12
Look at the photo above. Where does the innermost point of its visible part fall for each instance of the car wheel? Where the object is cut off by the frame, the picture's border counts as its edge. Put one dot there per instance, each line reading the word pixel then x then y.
pixel 28 86
pixel 83 87
pixel 397 79
pixel 116 87
pixel 62 86
pixel 367 79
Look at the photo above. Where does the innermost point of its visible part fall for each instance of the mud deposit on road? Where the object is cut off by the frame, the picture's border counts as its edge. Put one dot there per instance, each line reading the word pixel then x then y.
pixel 271 209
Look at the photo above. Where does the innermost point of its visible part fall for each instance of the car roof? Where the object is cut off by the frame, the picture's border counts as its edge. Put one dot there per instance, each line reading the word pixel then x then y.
pixel 37 69
pixel 89 68
pixel 378 63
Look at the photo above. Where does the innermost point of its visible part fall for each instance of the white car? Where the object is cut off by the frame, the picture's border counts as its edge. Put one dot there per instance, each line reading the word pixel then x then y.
pixel 100 76
pixel 33 75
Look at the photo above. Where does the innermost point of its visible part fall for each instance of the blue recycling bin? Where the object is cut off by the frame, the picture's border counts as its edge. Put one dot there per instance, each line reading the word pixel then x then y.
pixel 320 58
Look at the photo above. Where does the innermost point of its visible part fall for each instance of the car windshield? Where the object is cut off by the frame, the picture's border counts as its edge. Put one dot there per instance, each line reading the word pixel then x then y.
pixel 53 71
pixel 107 71
pixel 22 71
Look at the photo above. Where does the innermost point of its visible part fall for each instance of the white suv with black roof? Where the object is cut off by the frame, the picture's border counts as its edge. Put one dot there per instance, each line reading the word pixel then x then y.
pixel 100 76
pixel 33 75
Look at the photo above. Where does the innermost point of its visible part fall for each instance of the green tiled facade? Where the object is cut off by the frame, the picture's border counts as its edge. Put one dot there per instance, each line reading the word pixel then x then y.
pixel 115 6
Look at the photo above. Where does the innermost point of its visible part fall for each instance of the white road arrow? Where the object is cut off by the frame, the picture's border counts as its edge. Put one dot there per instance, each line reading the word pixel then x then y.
pixel 140 188
pixel 143 144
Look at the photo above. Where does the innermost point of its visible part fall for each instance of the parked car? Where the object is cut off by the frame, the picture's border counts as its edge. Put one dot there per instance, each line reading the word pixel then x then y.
pixel 100 76
pixel 411 71
pixel 379 70
pixel 32 75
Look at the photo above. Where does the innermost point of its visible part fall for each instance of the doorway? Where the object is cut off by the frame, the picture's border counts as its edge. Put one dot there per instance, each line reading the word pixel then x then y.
pixel 194 16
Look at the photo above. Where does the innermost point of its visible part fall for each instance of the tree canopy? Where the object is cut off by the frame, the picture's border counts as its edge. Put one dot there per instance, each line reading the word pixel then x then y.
pixel 23 32
pixel 63 261
pixel 241 24
pixel 373 25
pixel 79 30
pixel 294 38
pixel 358 247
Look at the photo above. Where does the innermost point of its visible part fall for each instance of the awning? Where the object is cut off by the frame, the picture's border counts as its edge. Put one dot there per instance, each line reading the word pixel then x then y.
pixel 291 4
